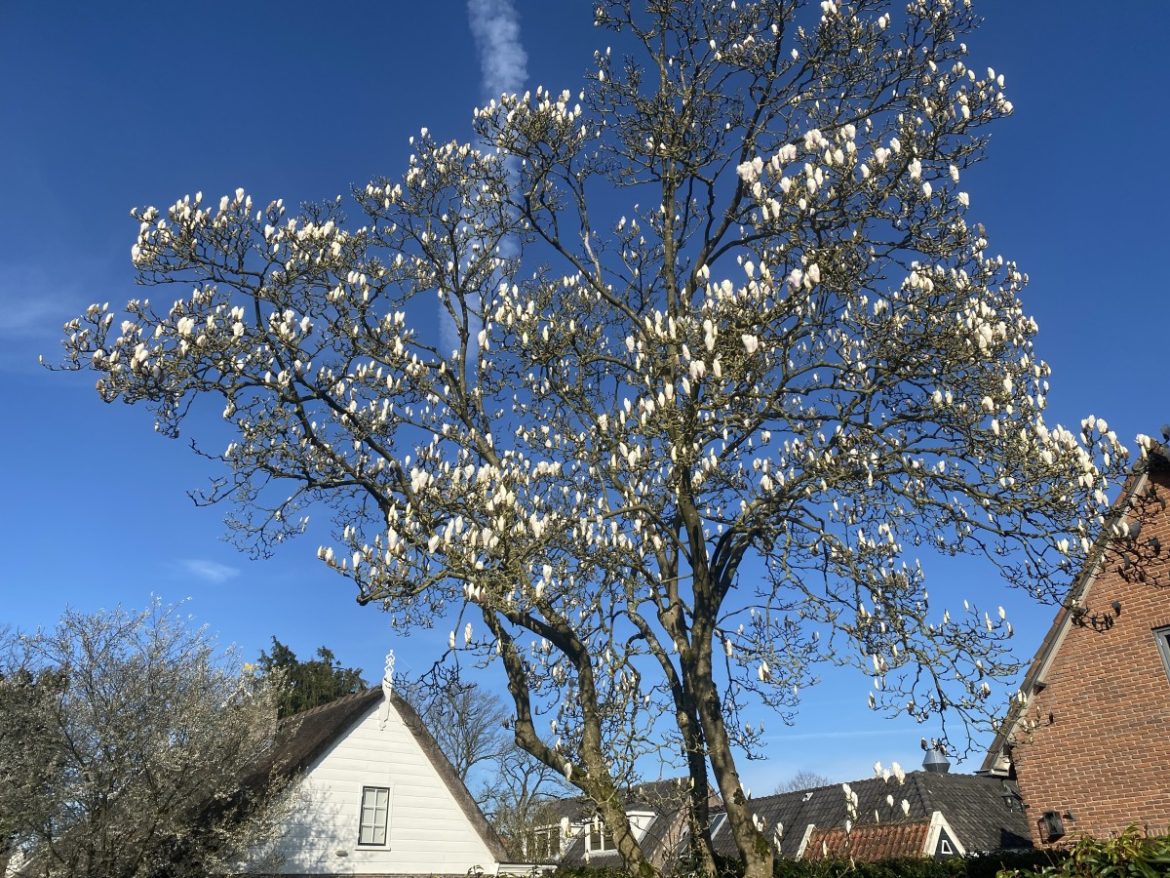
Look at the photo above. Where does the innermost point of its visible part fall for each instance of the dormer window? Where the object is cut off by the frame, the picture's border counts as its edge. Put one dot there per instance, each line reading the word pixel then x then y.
pixel 599 837
pixel 542 843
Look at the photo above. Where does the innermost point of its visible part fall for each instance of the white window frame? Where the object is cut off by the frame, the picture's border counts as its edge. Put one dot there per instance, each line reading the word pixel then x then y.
pixel 543 842
pixel 596 827
pixel 373 826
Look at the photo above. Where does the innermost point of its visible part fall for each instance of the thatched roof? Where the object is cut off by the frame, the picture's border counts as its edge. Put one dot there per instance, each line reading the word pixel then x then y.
pixel 304 737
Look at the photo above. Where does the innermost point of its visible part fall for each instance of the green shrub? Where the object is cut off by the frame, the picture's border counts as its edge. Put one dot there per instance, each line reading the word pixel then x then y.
pixel 1130 854
pixel 1016 865
pixel 987 866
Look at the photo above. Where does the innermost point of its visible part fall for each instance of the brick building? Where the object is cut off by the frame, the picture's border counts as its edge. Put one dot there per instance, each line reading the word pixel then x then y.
pixel 1089 744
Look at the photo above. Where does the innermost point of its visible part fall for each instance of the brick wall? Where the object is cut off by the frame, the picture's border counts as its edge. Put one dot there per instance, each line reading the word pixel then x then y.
pixel 1095 741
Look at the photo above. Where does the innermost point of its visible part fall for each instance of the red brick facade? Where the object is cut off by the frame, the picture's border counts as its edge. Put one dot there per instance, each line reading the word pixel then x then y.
pixel 1092 743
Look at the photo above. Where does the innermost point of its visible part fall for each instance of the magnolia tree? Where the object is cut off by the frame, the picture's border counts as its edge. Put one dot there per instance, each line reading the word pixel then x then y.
pixel 128 748
pixel 720 353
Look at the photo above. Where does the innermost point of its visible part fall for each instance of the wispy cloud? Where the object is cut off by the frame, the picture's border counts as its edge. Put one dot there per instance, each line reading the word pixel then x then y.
pixel 854 733
pixel 208 571
pixel 32 305
pixel 35 302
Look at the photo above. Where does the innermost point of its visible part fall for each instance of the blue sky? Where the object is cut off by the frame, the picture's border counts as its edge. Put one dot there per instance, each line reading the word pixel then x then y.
pixel 108 106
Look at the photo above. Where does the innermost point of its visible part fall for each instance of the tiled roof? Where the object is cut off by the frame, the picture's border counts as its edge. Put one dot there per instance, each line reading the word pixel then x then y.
pixel 981 810
pixel 873 842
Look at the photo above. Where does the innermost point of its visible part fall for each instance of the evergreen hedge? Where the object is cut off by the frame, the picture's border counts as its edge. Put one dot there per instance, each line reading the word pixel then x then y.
pixel 1024 865
pixel 1132 854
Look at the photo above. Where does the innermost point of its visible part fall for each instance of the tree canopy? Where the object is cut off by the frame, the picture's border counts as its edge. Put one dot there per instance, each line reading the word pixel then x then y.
pixel 308 683
pixel 721 353
pixel 125 740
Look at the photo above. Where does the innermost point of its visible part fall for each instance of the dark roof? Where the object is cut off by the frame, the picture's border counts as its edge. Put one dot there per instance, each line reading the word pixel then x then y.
pixel 655 794
pixel 303 737
pixel 669 793
pixel 873 842
pixel 983 811
pixel 575 808
pixel 1157 460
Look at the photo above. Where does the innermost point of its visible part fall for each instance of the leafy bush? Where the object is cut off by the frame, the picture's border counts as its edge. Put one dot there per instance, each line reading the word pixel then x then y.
pixel 1010 865
pixel 988 866
pixel 1130 854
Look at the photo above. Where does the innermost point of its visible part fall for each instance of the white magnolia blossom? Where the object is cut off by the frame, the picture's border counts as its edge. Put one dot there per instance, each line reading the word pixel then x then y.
pixel 728 421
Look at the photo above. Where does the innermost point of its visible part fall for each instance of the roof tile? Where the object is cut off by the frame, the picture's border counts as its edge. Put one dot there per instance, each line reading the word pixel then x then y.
pixel 873 842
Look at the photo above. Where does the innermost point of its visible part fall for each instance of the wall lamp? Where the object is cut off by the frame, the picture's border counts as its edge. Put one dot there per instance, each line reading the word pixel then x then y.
pixel 1052 825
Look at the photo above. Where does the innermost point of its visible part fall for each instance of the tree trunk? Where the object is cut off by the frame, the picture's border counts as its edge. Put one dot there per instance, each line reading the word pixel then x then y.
pixel 753 847
pixel 595 781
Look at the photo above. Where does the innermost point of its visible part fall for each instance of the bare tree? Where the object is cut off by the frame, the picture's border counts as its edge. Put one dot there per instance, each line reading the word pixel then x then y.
pixel 722 350
pixel 28 745
pixel 467 721
pixel 125 741
pixel 519 796
pixel 805 779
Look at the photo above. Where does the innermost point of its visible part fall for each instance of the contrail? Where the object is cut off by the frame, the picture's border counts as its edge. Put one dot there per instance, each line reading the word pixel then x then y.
pixel 503 66
pixel 503 63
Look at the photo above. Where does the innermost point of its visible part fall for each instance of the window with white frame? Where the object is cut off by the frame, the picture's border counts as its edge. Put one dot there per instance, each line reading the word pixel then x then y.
pixel 542 843
pixel 375 814
pixel 599 837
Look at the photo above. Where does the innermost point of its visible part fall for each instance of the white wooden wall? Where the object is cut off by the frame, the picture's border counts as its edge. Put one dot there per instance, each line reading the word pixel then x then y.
pixel 428 833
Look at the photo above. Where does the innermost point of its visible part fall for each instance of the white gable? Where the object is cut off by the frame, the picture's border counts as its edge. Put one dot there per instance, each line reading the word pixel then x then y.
pixel 427 831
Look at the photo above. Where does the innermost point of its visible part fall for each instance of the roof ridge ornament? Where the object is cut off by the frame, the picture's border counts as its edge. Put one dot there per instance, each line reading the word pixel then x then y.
pixel 387 688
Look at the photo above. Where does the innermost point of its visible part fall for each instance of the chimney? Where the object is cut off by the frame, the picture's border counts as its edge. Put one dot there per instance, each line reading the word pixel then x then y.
pixel 935 761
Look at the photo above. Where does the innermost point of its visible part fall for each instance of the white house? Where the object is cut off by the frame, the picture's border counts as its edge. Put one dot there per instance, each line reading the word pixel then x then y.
pixel 572 833
pixel 376 796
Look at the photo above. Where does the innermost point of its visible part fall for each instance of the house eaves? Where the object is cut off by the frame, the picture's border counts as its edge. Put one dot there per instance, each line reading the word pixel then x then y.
pixel 997 761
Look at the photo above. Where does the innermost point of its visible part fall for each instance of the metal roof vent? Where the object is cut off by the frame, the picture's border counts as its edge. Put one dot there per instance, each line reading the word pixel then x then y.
pixel 936 761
